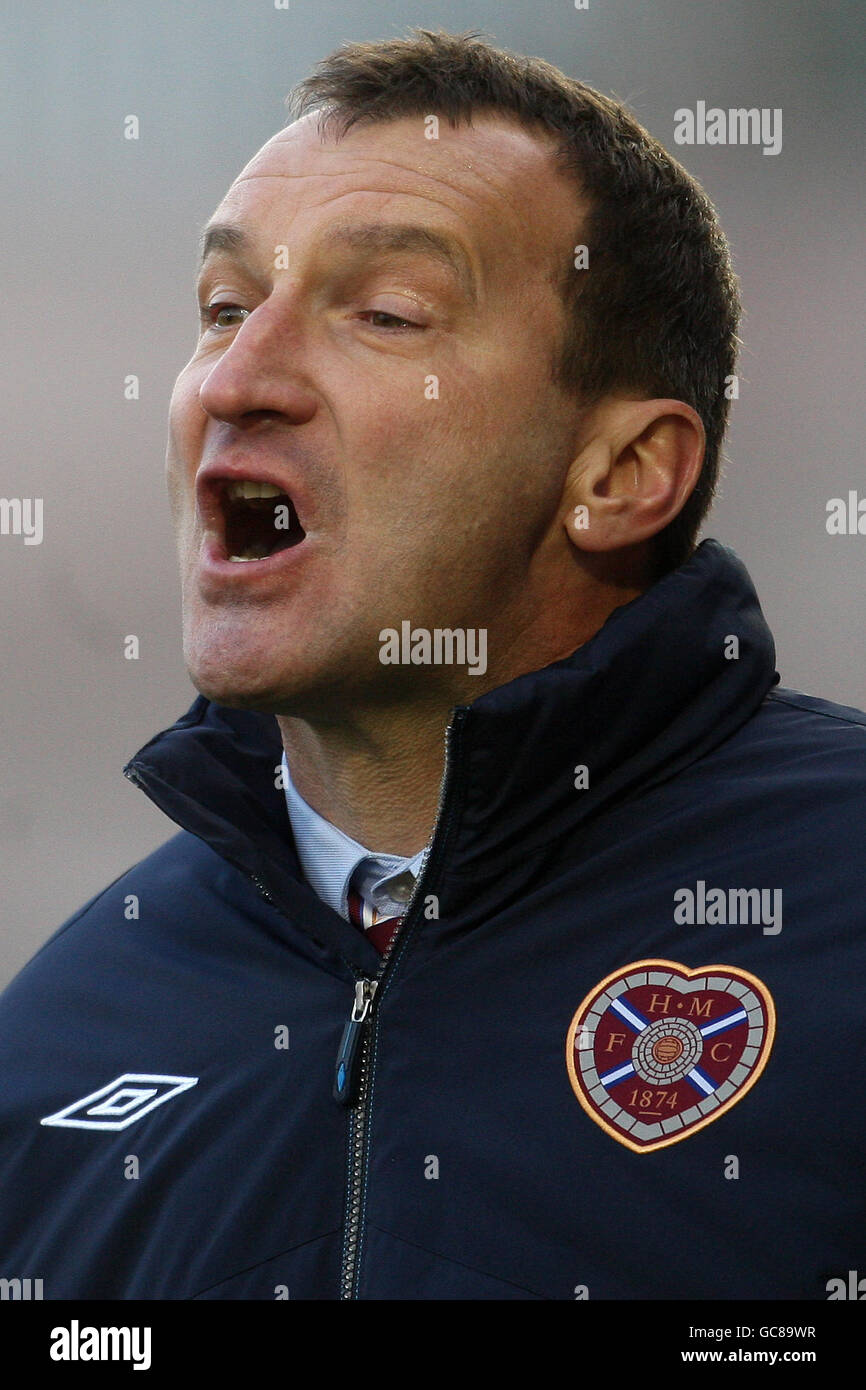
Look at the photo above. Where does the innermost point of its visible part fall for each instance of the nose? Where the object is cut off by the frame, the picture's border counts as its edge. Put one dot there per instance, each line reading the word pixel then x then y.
pixel 260 371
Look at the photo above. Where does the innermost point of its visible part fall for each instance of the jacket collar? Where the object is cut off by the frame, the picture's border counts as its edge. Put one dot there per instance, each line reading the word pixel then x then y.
pixel 655 689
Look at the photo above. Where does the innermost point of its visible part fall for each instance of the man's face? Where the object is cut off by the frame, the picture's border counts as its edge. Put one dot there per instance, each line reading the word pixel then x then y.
pixel 376 342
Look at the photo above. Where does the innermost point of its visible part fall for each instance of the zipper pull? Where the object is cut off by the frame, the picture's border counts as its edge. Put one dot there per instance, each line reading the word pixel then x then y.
pixel 347 1057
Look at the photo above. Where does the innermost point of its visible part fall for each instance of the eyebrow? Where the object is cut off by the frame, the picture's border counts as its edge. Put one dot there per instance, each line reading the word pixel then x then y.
pixel 375 237
pixel 413 239
pixel 223 236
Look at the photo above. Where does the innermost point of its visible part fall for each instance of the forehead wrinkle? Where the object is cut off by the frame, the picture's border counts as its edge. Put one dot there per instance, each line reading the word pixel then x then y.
pixel 457 163
pixel 409 236
pixel 469 152
pixel 464 169
pixel 449 177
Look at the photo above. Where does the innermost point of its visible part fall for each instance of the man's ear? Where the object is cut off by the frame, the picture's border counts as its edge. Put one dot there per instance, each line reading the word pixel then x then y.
pixel 636 466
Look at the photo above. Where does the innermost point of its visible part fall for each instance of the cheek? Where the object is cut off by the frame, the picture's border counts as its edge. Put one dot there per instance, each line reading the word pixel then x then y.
pixel 183 409
pixel 185 418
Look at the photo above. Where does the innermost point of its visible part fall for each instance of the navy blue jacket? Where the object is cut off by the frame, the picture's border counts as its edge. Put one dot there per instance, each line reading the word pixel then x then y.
pixel 549 1095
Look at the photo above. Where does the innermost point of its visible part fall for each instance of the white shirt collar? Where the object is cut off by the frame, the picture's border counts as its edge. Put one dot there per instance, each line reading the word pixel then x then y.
pixel 330 858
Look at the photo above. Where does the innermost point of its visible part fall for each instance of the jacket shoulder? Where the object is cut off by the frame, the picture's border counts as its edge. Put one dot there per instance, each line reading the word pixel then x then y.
pixel 819 709
pixel 172 873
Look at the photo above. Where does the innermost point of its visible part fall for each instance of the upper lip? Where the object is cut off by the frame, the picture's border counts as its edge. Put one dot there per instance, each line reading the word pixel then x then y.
pixel 212 478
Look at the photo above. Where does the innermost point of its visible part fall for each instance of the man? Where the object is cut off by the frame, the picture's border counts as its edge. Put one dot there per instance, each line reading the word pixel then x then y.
pixel 576 1010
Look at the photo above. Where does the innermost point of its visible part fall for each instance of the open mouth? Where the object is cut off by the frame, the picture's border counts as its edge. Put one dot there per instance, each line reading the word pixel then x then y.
pixel 259 520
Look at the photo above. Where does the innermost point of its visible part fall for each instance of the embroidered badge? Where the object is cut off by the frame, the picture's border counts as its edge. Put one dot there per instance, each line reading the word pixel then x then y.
pixel 657 1051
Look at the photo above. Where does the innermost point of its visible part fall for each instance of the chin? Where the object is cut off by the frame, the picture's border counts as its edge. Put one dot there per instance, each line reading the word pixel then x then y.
pixel 274 672
pixel 228 679
pixel 254 685
pixel 222 689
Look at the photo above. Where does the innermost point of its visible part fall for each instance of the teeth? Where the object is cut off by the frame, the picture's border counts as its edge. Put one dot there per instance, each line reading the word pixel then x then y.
pixel 256 552
pixel 248 487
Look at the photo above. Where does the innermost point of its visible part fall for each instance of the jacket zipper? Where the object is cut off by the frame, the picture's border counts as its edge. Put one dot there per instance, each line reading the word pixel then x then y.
pixel 354 1058
pixel 353 1076
pixel 352 1036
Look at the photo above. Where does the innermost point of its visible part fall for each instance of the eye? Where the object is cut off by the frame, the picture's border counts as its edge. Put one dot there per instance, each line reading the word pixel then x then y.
pixel 212 314
pixel 379 318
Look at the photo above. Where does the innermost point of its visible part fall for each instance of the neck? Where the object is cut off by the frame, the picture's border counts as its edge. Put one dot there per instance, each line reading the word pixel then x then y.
pixel 376 771
pixel 377 781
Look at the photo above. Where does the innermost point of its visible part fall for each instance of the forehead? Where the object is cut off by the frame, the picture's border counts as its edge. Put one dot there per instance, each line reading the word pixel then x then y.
pixel 494 184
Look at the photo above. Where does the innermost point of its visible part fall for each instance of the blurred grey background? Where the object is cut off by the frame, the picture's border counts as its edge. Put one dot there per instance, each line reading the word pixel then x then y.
pixel 99 237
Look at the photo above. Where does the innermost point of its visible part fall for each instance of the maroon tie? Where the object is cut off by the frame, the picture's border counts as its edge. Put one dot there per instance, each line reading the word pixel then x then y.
pixel 380 930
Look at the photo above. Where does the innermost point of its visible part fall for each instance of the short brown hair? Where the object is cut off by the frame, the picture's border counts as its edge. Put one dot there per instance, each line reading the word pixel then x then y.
pixel 658 311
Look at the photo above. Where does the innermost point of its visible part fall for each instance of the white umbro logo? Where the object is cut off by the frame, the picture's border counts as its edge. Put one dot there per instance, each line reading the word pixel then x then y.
pixel 123 1101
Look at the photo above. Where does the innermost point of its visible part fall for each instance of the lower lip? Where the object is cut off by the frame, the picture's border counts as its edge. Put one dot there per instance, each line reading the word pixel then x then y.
pixel 216 567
